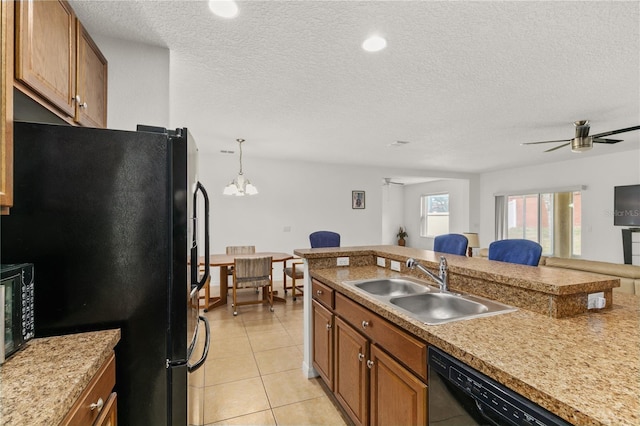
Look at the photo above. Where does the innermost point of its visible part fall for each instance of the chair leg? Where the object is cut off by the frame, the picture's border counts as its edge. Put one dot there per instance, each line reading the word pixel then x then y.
pixel 293 287
pixel 207 296
pixel 235 304
pixel 284 278
pixel 271 296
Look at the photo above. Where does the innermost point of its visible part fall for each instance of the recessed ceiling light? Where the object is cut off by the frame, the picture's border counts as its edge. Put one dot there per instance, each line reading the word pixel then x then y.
pixel 374 44
pixel 224 8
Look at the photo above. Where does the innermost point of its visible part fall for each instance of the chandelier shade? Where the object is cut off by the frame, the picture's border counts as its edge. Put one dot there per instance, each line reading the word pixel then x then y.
pixel 240 186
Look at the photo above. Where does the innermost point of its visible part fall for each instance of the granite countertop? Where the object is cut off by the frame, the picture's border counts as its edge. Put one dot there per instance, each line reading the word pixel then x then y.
pixel 585 368
pixel 549 280
pixel 40 383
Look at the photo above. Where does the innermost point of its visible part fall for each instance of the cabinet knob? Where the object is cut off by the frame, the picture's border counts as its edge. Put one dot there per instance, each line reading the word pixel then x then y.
pixel 78 100
pixel 365 324
pixel 319 292
pixel 369 363
pixel 97 405
pixel 328 326
pixel 360 357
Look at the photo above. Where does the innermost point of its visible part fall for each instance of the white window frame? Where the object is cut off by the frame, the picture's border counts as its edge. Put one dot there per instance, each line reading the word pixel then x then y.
pixel 502 214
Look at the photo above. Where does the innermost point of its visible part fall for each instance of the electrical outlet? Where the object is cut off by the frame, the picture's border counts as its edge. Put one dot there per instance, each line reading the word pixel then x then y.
pixel 343 261
pixel 596 301
pixel 380 261
pixel 395 266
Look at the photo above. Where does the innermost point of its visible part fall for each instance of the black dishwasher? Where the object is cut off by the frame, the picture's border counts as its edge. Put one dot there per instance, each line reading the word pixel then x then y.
pixel 460 395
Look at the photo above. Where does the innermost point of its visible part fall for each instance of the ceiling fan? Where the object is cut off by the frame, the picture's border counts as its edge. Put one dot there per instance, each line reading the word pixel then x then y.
pixel 582 141
pixel 388 181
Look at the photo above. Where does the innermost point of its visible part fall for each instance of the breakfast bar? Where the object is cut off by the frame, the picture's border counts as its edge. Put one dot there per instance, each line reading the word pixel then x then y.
pixel 581 364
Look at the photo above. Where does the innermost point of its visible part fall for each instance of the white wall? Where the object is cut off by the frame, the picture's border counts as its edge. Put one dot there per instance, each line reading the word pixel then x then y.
pixel 601 240
pixel 392 212
pixel 295 199
pixel 459 208
pixel 138 90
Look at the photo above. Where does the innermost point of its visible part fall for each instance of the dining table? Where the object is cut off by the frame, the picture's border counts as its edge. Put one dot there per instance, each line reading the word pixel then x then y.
pixel 224 261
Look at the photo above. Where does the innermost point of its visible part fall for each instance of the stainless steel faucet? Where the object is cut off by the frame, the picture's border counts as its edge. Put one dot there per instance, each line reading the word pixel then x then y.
pixel 443 276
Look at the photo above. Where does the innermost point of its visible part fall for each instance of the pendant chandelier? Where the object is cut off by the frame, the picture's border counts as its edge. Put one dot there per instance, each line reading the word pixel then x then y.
pixel 240 186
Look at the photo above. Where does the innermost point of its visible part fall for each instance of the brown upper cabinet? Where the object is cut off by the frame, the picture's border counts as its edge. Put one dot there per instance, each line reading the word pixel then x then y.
pixel 6 106
pixel 58 64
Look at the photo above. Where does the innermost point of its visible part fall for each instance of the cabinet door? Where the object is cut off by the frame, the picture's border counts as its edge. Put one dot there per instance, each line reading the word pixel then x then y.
pixel 46 51
pixel 323 342
pixel 6 106
pixel 397 396
pixel 91 66
pixel 351 372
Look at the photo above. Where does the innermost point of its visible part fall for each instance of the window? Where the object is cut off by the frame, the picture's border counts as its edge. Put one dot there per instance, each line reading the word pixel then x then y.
pixel 528 217
pixel 552 219
pixel 576 223
pixel 434 215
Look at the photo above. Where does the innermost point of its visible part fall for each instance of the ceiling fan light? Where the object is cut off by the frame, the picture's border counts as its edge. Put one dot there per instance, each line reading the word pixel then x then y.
pixel 581 144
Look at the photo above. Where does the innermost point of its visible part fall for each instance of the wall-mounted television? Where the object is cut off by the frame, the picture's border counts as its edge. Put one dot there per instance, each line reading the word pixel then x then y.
pixel 626 205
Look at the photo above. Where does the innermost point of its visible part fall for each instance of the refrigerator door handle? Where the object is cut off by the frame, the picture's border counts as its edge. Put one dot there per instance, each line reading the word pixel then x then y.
pixel 193 367
pixel 194 263
pixel 194 242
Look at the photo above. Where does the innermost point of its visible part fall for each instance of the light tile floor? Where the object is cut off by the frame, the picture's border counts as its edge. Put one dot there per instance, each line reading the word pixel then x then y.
pixel 253 374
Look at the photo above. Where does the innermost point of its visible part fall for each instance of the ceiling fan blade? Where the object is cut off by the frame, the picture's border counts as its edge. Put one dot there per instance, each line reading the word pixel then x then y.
pixel 534 143
pixel 615 132
pixel 600 140
pixel 558 147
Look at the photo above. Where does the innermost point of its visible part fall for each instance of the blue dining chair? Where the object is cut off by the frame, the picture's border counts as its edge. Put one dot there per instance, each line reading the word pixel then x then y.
pixel 523 252
pixel 324 239
pixel 451 243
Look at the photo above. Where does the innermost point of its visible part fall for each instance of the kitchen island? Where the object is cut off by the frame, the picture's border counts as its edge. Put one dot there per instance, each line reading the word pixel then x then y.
pixel 40 384
pixel 584 367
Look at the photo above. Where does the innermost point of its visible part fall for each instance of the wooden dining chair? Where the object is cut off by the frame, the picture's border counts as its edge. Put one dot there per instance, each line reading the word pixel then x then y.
pixel 253 272
pixel 238 250
pixel 241 249
pixel 295 272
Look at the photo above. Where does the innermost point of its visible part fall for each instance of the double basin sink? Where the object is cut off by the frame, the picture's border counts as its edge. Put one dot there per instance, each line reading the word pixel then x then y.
pixel 427 303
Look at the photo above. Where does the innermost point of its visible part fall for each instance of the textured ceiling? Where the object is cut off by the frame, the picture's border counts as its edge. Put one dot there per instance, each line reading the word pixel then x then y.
pixel 464 82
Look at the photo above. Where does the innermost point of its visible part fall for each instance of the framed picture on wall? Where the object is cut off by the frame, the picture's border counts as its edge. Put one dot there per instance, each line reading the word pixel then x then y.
pixel 357 199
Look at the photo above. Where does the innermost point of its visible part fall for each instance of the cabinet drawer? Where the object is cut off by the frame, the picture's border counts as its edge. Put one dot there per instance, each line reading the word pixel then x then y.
pixel 322 293
pixel 98 389
pixel 404 347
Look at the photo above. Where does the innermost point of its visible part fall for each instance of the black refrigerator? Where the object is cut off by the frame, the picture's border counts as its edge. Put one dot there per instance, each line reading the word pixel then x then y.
pixel 111 221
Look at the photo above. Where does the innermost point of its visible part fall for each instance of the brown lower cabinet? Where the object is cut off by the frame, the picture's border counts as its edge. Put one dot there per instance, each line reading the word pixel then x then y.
pixel 323 342
pixel 97 406
pixel 377 371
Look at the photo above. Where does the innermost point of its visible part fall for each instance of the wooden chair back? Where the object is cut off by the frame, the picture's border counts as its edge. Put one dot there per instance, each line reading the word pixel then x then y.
pixel 252 271
pixel 241 249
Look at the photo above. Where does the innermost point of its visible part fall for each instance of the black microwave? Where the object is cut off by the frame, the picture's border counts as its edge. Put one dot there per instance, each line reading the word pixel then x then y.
pixel 16 301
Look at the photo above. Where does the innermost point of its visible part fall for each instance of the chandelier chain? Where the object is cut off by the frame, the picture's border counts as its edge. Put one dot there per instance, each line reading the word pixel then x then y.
pixel 240 143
